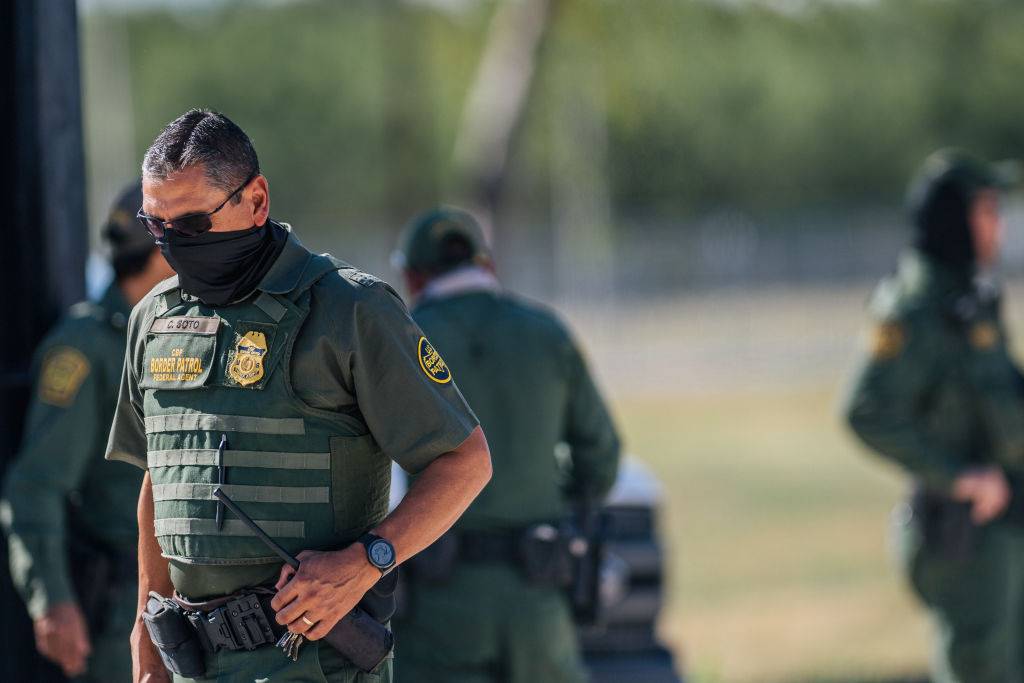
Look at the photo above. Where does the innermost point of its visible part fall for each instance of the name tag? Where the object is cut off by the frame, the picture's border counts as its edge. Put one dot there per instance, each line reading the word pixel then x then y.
pixel 185 325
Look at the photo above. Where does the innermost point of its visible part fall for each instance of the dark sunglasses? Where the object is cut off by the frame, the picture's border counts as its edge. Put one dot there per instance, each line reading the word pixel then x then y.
pixel 189 225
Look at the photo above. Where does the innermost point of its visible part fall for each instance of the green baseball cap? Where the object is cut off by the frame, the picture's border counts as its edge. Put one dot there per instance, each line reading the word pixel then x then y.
pixel 122 231
pixel 959 169
pixel 441 240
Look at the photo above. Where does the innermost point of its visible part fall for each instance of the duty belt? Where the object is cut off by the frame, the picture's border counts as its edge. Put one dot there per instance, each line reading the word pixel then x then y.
pixel 490 546
pixel 242 621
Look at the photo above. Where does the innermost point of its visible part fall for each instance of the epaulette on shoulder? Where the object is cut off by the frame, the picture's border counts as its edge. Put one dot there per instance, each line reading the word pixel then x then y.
pixel 359 277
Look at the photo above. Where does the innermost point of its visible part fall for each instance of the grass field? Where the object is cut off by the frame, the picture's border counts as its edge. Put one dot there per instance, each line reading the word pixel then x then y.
pixel 776 519
pixel 779 567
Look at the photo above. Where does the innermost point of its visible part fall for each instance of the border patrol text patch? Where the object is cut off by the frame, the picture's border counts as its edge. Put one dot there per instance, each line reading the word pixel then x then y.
pixel 432 363
pixel 64 369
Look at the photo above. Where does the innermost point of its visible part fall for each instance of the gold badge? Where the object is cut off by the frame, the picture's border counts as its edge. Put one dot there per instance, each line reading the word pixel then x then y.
pixel 432 363
pixel 887 340
pixel 64 369
pixel 984 336
pixel 247 367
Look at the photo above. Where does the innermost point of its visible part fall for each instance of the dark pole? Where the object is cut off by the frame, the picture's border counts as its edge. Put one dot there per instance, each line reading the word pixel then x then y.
pixel 42 262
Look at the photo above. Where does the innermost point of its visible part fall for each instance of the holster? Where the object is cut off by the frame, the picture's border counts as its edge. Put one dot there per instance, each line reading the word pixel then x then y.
pixel 176 639
pixel 545 557
pixel 945 525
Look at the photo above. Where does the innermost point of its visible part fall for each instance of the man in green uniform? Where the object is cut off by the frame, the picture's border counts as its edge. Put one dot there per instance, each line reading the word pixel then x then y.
pixel 938 393
pixel 290 381
pixel 502 607
pixel 69 515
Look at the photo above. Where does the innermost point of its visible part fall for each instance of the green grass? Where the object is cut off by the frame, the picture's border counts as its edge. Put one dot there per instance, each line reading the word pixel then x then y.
pixel 777 521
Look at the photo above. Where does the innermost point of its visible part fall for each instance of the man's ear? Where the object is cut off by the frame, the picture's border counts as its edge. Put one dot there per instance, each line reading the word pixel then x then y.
pixel 260 198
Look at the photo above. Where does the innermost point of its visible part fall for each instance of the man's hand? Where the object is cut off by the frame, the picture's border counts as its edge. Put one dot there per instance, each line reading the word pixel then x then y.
pixel 63 638
pixel 324 589
pixel 147 667
pixel 986 489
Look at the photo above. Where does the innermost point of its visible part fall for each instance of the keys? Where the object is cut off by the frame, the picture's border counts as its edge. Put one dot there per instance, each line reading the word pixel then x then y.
pixel 290 644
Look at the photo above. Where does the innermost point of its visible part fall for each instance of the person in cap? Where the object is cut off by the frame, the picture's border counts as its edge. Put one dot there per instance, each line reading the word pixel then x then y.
pixel 938 393
pixel 289 381
pixel 70 515
pixel 496 584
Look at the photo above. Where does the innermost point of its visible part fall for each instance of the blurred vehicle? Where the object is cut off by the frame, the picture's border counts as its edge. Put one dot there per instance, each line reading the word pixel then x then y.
pixel 622 645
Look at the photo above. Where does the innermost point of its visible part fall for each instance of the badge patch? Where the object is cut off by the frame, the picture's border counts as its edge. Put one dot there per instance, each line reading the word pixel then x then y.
pixel 432 363
pixel 247 367
pixel 887 340
pixel 984 336
pixel 64 369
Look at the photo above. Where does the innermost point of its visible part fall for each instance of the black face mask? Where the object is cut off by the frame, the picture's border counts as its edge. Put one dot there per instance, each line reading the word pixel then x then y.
pixel 223 267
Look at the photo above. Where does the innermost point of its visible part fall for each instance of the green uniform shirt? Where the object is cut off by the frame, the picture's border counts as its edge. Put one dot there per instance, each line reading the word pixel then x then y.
pixel 357 356
pixel 937 390
pixel 78 370
pixel 523 375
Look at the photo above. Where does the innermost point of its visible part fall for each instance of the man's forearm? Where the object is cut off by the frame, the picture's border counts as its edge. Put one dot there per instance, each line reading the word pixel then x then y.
pixel 153 576
pixel 438 497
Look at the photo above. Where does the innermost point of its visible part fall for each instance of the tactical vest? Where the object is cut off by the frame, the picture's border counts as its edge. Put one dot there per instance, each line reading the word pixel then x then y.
pixel 311 478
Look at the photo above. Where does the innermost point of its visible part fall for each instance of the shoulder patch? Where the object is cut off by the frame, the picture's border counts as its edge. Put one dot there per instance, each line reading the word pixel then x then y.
pixel 887 340
pixel 63 371
pixel 432 363
pixel 983 336
pixel 364 279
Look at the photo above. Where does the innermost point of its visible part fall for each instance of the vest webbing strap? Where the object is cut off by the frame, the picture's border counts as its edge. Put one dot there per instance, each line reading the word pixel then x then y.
pixel 244 494
pixel 267 459
pixel 271 306
pixel 189 422
pixel 192 526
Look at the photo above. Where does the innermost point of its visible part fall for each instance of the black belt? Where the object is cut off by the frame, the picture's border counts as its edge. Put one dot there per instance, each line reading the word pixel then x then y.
pixel 242 621
pixel 490 546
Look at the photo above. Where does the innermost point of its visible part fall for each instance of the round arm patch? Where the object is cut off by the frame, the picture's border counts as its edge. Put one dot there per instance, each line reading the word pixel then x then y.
pixel 432 363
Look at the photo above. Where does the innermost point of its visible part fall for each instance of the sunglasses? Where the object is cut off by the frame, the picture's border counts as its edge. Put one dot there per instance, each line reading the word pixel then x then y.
pixel 189 225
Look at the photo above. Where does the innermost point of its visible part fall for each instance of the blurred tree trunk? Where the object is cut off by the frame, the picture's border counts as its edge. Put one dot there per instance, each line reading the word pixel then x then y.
pixel 496 103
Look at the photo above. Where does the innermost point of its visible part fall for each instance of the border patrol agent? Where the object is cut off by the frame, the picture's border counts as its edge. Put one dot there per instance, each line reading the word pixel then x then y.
pixel 938 393
pixel 70 516
pixel 498 581
pixel 287 380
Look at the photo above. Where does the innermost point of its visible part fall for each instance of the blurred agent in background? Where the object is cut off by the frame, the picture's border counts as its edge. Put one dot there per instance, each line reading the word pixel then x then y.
pixel 69 514
pixel 938 393
pixel 488 601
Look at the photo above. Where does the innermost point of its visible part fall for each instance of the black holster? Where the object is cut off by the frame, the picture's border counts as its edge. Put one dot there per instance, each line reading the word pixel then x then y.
pixel 175 638
pixel 945 525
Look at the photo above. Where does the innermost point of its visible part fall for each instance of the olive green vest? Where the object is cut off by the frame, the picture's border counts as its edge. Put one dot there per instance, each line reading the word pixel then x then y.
pixel 309 477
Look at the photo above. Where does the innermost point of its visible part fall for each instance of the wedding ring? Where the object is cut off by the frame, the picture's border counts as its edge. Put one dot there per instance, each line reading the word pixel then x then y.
pixel 308 622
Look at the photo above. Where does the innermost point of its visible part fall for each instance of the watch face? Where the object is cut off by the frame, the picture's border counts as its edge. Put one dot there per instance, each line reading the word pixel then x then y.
pixel 381 553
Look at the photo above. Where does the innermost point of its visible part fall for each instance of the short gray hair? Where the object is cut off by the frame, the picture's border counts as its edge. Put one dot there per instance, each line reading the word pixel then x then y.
pixel 207 138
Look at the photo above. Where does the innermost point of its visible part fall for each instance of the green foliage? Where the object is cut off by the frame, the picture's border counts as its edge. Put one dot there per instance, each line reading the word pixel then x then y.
pixel 355 106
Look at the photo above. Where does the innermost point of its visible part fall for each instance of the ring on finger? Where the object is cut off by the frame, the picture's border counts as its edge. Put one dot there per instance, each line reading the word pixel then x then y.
pixel 307 621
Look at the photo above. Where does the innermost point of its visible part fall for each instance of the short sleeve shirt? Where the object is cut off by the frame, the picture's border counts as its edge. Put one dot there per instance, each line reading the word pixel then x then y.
pixel 358 353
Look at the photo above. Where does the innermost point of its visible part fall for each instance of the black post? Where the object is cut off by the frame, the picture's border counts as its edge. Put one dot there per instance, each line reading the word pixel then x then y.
pixel 42 262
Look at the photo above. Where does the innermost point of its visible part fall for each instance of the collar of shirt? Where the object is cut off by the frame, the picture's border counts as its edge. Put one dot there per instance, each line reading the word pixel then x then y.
pixel 461 281
pixel 284 275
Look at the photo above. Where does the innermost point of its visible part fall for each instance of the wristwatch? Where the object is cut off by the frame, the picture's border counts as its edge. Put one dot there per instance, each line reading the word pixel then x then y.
pixel 379 552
